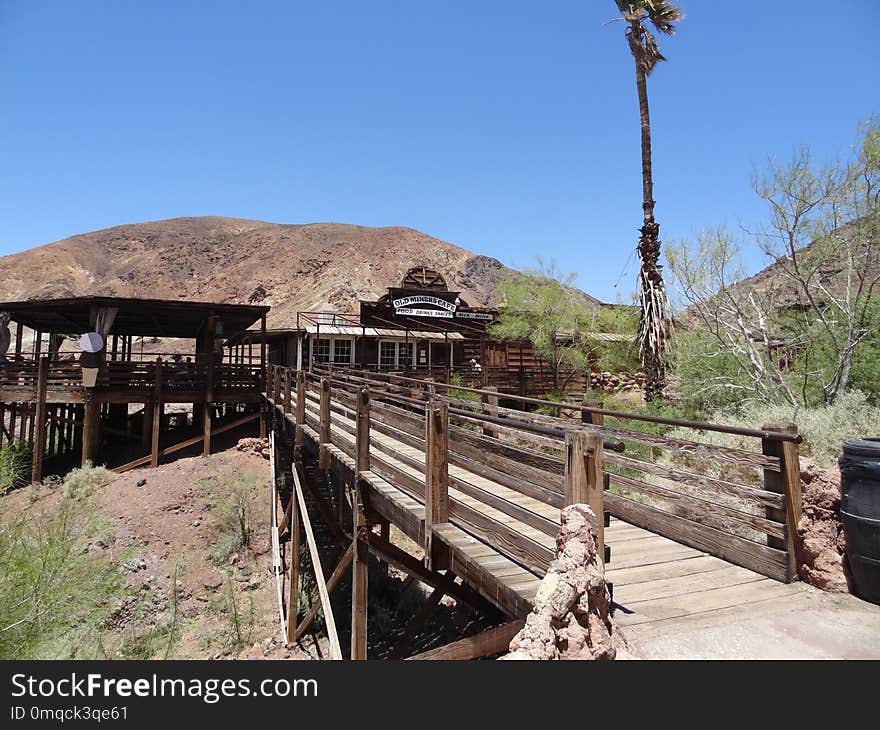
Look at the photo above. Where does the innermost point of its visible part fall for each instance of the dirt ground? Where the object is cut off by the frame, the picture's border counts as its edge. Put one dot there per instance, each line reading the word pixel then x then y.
pixel 170 526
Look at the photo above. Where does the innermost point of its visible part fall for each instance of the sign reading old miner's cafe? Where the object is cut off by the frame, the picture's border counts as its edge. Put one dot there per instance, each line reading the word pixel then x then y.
pixel 423 302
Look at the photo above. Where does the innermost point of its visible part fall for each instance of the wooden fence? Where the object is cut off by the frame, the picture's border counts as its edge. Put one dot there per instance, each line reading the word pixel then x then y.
pixel 739 503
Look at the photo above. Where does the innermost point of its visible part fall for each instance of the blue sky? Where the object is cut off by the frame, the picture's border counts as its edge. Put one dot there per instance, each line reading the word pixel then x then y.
pixel 510 128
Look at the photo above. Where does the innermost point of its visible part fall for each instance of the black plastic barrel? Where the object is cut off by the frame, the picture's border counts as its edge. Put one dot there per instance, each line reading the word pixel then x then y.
pixel 860 514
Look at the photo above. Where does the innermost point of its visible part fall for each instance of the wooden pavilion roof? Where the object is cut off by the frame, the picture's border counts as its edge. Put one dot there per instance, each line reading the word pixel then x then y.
pixel 138 317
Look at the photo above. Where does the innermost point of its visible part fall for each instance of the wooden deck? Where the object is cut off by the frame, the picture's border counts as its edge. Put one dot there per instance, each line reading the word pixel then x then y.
pixel 657 580
pixel 504 553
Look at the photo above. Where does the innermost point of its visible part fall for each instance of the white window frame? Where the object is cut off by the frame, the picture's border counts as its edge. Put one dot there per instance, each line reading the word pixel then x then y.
pixel 332 352
pixel 399 349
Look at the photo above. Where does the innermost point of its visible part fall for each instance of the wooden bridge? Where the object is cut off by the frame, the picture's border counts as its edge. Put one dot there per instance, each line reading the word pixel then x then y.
pixel 689 526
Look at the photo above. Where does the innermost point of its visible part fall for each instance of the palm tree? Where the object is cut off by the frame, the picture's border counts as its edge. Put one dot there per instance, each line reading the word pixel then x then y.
pixel 654 321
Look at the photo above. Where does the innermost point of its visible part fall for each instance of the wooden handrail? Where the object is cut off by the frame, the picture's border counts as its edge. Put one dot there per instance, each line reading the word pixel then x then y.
pixel 697 425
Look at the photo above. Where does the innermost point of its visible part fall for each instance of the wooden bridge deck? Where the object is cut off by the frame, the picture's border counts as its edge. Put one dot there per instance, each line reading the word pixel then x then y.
pixel 654 578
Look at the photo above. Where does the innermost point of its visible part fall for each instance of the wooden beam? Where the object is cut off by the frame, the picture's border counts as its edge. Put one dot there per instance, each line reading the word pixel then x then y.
pixel 157 415
pixel 40 421
pixel 299 416
pixel 491 409
pixel 89 431
pixel 332 635
pixel 324 435
pixel 788 483
pixel 359 577
pixel 293 574
pixel 584 476
pixel 436 481
pixel 362 432
pixel 488 642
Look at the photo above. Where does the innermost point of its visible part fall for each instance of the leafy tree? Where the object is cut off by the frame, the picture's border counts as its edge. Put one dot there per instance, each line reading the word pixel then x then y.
pixel 806 333
pixel 639 16
pixel 541 306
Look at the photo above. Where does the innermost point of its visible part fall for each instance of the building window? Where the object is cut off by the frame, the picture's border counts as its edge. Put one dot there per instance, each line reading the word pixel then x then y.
pixel 388 354
pixel 322 350
pixel 396 355
pixel 342 352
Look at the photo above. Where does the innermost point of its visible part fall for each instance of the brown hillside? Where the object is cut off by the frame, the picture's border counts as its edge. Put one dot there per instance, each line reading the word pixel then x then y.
pixel 289 267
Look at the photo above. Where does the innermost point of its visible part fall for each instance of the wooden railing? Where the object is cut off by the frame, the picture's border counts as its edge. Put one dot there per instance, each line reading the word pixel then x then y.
pixel 18 379
pixel 347 414
pixel 739 503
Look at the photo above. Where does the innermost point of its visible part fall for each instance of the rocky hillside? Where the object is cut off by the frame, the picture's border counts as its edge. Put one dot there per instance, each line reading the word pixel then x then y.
pixel 289 267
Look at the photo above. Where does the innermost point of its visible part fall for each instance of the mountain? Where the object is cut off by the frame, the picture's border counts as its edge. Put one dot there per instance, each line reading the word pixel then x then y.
pixel 288 267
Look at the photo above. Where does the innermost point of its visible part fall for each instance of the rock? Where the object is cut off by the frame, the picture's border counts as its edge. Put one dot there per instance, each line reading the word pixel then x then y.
pixel 257 446
pixel 821 559
pixel 571 618
pixel 141 482
pixel 212 582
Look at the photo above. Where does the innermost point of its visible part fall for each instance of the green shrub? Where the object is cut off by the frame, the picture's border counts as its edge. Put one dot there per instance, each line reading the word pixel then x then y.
pixel 86 480
pixel 229 503
pixel 57 598
pixel 15 465
pixel 824 429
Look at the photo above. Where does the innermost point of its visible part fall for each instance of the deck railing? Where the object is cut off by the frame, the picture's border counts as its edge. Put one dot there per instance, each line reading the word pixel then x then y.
pixel 19 379
pixel 740 503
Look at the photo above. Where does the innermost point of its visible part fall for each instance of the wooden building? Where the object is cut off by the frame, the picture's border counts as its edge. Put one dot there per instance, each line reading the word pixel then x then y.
pixel 107 402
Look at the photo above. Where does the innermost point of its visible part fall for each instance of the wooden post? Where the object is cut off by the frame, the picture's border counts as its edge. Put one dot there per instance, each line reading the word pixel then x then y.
pixel 19 333
pixel 89 429
pixel 491 402
pixel 209 356
pixel 596 419
pixel 276 385
pixel 287 397
pixel 40 420
pixel 293 588
pixel 436 481
pixel 359 576
pixel 324 458
pixel 263 341
pixel 584 477
pixel 299 415
pixel 788 483
pixel 362 431
pixel 359 530
pixel 157 415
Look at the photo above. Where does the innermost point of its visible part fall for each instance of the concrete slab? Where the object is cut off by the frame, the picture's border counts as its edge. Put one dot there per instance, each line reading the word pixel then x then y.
pixel 807 624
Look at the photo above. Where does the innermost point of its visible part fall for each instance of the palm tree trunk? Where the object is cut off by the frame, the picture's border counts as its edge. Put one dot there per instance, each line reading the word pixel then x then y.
pixel 652 293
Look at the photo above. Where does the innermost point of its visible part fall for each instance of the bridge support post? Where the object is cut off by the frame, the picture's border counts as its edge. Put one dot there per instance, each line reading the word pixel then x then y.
pixel 786 482
pixel 293 572
pixel 324 440
pixel 299 415
pixel 436 481
pixel 40 420
pixel 584 477
pixel 287 402
pixel 359 533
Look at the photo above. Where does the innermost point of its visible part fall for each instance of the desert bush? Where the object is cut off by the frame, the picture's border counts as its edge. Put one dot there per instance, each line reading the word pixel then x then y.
pixel 229 503
pixel 56 596
pixel 824 429
pixel 15 465
pixel 85 481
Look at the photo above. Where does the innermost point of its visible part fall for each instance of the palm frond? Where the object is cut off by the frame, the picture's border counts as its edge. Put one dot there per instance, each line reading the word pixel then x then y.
pixel 663 15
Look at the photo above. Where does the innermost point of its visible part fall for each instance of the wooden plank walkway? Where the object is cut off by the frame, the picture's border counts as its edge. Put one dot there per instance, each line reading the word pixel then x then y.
pixel 655 579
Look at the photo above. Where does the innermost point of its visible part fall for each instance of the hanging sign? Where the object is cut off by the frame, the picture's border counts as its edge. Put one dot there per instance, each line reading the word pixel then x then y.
pixel 406 302
pixel 409 312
